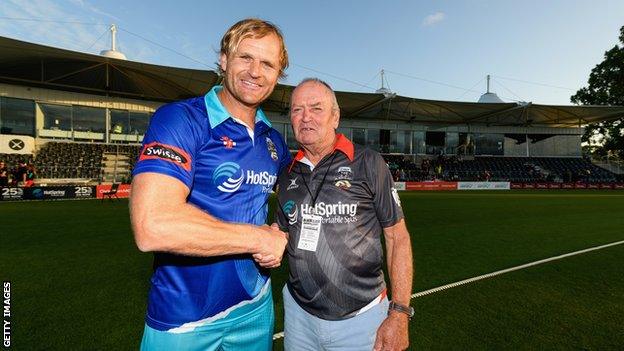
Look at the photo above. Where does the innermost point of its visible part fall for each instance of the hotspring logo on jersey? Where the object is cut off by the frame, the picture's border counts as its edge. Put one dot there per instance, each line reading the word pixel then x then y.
pixel 230 176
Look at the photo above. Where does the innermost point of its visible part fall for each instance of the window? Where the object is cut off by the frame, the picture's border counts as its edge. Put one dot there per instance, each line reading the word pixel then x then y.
pixel 452 142
pixel 119 123
pixel 418 143
pixel 400 141
pixel 17 116
pixel 489 144
pixel 359 136
pixel 56 117
pixel 138 122
pixel 89 119
pixel 372 140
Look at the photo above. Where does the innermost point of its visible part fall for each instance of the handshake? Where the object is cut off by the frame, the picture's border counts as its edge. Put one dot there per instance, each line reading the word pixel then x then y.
pixel 271 244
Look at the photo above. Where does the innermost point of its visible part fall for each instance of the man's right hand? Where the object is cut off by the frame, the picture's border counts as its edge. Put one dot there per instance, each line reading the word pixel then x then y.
pixel 271 245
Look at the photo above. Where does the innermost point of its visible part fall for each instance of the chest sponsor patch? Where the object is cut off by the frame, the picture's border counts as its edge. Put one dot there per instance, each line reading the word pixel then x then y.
pixel 166 152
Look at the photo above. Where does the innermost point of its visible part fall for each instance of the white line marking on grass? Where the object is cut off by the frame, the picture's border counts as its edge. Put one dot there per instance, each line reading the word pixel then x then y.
pixel 493 274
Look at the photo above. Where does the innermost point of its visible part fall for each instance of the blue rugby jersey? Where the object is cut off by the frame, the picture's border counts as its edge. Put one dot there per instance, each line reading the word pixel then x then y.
pixel 230 177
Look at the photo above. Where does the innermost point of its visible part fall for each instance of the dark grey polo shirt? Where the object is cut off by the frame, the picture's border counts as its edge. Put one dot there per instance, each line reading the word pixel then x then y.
pixel 355 202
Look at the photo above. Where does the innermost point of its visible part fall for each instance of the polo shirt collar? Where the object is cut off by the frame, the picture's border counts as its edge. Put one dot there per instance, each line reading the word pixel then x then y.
pixel 343 144
pixel 217 113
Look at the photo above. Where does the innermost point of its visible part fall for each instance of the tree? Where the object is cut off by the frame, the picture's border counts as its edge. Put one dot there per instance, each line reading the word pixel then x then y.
pixel 606 87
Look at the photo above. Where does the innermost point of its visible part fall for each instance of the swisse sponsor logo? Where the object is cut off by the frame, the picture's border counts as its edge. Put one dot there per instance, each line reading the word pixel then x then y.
pixel 326 210
pixel 167 153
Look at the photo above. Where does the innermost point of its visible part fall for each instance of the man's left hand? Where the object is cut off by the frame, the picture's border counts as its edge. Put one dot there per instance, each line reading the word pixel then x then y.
pixel 392 334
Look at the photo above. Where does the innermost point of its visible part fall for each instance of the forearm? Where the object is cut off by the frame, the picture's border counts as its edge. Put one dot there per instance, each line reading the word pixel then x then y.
pixel 188 230
pixel 400 266
pixel 162 220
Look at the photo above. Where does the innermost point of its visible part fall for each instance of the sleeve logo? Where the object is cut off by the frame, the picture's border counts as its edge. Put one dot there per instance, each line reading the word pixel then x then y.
pixel 165 152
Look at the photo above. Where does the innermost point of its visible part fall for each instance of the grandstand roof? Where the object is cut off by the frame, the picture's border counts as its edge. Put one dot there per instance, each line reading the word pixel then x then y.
pixel 42 66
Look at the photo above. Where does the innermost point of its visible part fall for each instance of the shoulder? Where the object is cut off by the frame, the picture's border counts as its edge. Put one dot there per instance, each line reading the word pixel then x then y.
pixel 190 110
pixel 367 154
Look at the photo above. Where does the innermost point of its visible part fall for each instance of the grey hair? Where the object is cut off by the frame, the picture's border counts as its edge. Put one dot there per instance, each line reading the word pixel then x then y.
pixel 335 105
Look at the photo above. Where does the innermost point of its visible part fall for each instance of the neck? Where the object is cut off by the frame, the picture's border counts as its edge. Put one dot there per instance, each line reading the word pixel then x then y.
pixel 315 153
pixel 238 109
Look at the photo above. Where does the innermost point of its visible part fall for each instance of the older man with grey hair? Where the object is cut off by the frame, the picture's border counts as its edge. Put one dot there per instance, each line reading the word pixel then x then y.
pixel 336 200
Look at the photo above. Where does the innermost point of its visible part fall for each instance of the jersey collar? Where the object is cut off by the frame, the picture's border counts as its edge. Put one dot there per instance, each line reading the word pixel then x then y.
pixel 343 144
pixel 217 113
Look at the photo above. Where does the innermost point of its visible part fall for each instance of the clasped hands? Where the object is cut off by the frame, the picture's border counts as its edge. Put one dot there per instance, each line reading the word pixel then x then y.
pixel 271 246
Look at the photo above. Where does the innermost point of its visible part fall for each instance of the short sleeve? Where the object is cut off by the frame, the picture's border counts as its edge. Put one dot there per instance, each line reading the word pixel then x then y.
pixel 170 144
pixel 385 197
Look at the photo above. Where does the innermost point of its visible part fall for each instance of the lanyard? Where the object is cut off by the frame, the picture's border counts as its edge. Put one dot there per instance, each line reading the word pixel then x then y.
pixel 318 191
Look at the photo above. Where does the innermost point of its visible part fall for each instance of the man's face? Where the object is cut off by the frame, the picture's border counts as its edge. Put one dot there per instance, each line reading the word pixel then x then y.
pixel 251 72
pixel 312 114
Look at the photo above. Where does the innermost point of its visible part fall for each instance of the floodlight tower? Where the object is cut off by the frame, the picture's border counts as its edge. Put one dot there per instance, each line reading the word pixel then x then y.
pixel 113 53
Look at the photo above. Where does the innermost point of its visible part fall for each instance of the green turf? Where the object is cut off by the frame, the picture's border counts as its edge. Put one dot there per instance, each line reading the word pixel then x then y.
pixel 79 282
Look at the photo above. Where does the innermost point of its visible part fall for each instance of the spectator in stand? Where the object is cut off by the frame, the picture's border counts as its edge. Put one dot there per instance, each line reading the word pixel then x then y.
pixel 402 175
pixel 487 175
pixel 20 174
pixel 438 171
pixel 4 174
pixel 30 176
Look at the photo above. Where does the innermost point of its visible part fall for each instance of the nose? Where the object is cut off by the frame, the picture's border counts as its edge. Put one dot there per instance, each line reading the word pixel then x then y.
pixel 254 68
pixel 306 116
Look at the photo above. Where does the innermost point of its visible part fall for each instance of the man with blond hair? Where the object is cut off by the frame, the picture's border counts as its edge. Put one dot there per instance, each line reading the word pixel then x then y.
pixel 199 202
pixel 337 199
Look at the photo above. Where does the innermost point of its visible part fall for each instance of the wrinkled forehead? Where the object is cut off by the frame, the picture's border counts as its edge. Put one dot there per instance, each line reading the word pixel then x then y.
pixel 311 93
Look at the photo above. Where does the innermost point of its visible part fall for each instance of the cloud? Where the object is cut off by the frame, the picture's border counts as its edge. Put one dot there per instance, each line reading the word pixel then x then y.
pixel 433 19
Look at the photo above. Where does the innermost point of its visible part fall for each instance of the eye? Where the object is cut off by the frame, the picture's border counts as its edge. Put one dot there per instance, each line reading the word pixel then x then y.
pixel 268 65
pixel 246 58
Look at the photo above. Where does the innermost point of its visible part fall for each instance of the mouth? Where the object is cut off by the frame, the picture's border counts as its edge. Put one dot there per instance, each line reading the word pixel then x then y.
pixel 306 129
pixel 250 84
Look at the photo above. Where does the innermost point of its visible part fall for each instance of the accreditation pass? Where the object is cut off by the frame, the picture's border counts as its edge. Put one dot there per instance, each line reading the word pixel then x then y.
pixel 310 232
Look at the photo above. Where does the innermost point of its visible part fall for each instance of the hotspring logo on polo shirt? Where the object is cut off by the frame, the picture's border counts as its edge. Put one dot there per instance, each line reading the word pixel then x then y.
pixel 341 212
pixel 291 211
pixel 230 176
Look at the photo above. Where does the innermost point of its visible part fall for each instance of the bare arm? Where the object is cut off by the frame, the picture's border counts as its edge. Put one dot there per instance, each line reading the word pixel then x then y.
pixel 162 220
pixel 393 332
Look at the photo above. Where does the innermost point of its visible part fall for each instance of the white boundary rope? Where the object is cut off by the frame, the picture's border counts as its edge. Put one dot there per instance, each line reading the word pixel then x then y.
pixel 493 274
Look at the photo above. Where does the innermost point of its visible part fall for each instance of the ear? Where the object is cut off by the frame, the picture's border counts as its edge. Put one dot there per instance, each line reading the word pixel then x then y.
pixel 336 118
pixel 223 61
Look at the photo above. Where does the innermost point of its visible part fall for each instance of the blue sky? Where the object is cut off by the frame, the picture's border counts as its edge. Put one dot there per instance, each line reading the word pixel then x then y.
pixel 429 49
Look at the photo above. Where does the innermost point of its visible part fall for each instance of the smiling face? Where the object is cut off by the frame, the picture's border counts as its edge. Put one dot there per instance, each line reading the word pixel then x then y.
pixel 314 116
pixel 252 70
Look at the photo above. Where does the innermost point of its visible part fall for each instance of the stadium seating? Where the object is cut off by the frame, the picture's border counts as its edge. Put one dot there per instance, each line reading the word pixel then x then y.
pixel 513 169
pixel 89 161
pixel 72 160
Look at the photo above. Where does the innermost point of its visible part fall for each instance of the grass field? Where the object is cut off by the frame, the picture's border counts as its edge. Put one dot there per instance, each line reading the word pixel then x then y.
pixel 78 282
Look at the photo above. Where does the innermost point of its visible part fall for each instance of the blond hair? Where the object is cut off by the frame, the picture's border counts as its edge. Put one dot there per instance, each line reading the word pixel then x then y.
pixel 253 28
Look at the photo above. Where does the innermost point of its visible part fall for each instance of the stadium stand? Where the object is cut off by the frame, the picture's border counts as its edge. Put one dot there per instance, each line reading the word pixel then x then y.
pixel 90 161
pixel 513 169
